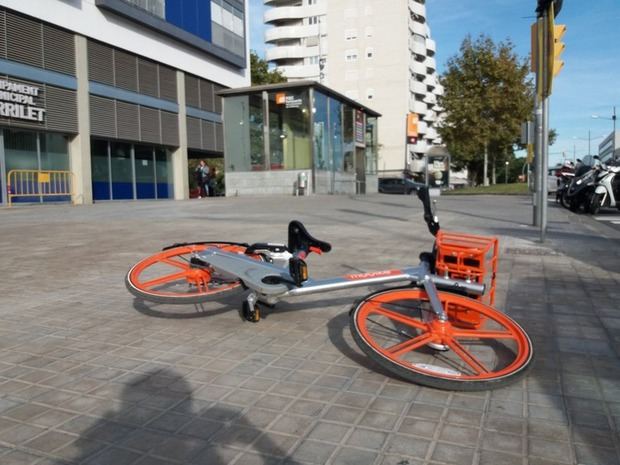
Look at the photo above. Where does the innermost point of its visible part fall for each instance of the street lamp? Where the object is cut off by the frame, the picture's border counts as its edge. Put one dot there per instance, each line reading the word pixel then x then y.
pixel 613 117
pixel 506 175
pixel 613 134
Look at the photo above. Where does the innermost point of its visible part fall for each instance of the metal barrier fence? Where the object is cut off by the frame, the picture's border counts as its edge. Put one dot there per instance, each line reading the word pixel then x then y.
pixel 39 183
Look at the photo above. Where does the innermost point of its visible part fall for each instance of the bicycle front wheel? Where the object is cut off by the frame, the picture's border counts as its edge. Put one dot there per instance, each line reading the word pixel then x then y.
pixel 398 330
pixel 169 277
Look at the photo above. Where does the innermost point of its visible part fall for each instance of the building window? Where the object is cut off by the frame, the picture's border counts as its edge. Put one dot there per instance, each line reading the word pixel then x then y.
pixel 350 34
pixel 370 94
pixel 370 52
pixel 312 2
pixel 313 20
pixel 313 60
pixel 350 55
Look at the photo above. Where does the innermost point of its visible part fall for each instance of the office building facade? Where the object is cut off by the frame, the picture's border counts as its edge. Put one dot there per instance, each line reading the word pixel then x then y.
pixel 382 57
pixel 120 93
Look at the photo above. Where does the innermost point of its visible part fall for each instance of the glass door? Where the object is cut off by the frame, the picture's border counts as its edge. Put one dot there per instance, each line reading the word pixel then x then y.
pixel 163 173
pixel 145 172
pixel 121 171
pixel 100 168
pixel 21 152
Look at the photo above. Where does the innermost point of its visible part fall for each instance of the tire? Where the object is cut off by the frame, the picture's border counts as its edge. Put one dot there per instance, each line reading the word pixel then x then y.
pixel 573 205
pixel 167 277
pixel 595 204
pixel 564 200
pixel 388 320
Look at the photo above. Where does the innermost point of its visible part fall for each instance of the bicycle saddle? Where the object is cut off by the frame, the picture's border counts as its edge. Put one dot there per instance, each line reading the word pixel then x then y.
pixel 300 240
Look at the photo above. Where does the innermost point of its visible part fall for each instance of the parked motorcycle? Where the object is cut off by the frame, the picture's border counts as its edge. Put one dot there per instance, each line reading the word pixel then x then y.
pixel 607 189
pixel 565 175
pixel 581 188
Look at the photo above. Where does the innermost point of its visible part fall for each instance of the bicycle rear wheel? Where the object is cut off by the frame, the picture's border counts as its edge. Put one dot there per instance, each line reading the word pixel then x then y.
pixel 398 330
pixel 169 277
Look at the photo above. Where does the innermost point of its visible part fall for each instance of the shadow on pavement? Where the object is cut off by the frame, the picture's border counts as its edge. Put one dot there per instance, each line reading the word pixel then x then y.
pixel 157 420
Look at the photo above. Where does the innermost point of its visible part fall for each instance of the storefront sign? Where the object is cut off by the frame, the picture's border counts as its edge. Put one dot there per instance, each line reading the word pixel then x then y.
pixel 412 128
pixel 17 101
pixel 360 139
pixel 289 101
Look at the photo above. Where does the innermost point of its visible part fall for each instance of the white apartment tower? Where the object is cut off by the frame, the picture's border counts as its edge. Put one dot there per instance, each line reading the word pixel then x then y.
pixel 379 55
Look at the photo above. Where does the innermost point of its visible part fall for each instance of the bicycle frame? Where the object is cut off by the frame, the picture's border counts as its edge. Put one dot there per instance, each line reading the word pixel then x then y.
pixel 269 283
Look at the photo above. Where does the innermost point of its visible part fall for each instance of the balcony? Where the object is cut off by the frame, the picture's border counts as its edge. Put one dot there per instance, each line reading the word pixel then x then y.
pixel 417 67
pixel 300 71
pixel 420 147
pixel 417 106
pixel 422 127
pixel 417 27
pixel 430 45
pixel 431 81
pixel 438 90
pixel 417 8
pixel 430 116
pixel 290 52
pixel 430 63
pixel 419 48
pixel 431 134
pixel 417 87
pixel 273 15
pixel 279 2
pixel 431 99
pixel 277 33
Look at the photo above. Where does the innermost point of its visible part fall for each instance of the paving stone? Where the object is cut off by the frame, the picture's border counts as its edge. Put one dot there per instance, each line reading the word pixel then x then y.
pixel 313 452
pixel 366 438
pixel 551 450
pixel 459 434
pixel 352 456
pixel 488 457
pixel 407 445
pixel 453 454
pixel 596 455
pixel 329 432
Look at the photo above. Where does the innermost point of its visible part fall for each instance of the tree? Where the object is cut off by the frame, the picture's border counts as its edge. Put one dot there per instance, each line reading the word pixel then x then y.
pixel 487 95
pixel 261 74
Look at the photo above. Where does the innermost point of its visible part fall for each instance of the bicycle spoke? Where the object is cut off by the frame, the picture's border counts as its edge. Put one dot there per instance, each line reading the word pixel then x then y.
pixel 171 262
pixel 474 334
pixel 399 318
pixel 468 358
pixel 164 279
pixel 407 346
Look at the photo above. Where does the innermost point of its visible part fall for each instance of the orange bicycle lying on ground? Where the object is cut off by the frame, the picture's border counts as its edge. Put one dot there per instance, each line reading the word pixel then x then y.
pixel 438 329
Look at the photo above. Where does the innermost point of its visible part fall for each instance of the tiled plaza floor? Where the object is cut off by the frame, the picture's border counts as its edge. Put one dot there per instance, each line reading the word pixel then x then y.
pixel 90 375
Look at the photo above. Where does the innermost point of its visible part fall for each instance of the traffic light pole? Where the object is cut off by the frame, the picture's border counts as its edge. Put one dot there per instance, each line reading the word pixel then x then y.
pixel 544 168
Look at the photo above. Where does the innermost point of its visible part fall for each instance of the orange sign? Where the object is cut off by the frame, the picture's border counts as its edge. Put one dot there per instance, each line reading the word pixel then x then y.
pixel 412 125
pixel 280 98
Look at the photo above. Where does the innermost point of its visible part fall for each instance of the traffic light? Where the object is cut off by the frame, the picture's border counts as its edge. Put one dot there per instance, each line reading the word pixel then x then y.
pixel 558 47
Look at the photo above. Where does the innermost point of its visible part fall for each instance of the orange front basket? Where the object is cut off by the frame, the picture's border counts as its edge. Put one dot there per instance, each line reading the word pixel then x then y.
pixel 468 257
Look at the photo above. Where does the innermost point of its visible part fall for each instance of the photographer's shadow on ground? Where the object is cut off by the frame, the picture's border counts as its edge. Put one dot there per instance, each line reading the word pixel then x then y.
pixel 158 421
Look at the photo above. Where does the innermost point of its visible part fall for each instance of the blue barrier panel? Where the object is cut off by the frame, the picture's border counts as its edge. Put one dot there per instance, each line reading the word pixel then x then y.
pixel 101 190
pixel 145 190
pixel 122 190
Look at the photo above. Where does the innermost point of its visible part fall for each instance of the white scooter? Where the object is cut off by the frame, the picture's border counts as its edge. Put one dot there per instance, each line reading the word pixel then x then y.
pixel 607 190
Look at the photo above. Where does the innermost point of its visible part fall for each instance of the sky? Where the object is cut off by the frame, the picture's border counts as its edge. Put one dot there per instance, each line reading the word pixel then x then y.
pixel 589 83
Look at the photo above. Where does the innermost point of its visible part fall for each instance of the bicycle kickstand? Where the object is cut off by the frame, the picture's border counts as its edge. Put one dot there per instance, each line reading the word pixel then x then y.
pixel 250 310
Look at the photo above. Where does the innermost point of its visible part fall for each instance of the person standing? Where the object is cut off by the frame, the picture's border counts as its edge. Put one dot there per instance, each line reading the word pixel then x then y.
pixel 202 179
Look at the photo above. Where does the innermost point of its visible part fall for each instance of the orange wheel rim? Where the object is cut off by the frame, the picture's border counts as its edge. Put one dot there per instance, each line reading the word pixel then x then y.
pixel 173 269
pixel 416 333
